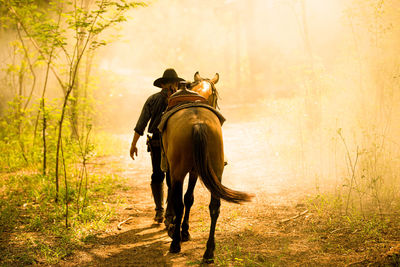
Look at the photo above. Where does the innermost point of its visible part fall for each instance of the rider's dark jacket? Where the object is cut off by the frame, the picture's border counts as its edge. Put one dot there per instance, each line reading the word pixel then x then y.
pixel 152 110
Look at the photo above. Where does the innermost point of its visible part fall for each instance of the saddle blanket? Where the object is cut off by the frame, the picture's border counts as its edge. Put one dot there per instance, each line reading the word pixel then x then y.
pixel 169 113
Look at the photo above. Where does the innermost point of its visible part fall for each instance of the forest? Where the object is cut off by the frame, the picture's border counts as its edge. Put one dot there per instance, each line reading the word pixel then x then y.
pixel 311 93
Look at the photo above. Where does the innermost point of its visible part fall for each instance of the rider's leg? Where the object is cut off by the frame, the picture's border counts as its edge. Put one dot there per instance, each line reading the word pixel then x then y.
pixel 157 179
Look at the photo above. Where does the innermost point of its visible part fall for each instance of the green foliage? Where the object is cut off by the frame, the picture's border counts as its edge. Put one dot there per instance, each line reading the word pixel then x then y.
pixel 53 37
pixel 370 183
pixel 30 216
pixel 365 200
pixel 22 145
pixel 14 142
pixel 51 135
pixel 231 254
pixel 330 219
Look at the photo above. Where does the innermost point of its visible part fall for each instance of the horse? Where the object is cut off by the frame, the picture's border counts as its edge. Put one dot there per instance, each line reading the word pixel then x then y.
pixel 206 88
pixel 192 142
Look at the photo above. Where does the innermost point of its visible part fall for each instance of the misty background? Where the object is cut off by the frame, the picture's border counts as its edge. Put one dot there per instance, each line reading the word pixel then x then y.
pixel 292 72
pixel 310 93
pixel 310 88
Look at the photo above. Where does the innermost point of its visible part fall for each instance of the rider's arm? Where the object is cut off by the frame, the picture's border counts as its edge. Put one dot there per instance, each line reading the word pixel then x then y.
pixel 141 124
pixel 133 151
pixel 144 118
pixel 136 137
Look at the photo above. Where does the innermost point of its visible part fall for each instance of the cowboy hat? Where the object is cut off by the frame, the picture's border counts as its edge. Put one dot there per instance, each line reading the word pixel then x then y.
pixel 168 76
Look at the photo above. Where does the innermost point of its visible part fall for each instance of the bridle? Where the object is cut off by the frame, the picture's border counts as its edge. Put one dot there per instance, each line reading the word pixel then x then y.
pixel 214 93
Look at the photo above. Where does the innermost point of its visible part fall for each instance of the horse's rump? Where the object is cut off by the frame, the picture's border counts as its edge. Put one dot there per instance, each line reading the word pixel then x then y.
pixel 193 141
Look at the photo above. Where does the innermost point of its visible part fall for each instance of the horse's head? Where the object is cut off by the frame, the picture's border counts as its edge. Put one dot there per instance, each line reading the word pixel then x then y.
pixel 206 88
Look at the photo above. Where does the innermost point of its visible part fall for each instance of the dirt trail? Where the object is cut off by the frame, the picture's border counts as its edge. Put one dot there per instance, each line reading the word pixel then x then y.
pixel 247 235
pixel 143 243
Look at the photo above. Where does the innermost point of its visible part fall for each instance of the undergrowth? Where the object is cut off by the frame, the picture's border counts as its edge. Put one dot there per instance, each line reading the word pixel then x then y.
pixel 369 234
pixel 32 228
pixel 233 254
pixel 328 209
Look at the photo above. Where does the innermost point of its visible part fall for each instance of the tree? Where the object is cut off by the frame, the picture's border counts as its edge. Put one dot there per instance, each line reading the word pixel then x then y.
pixel 62 35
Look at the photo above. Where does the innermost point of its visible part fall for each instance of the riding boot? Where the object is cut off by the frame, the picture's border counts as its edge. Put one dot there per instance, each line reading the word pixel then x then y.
pixel 158 195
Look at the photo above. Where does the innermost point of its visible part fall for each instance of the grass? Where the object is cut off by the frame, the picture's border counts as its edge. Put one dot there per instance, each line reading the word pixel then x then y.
pixel 232 254
pixel 369 235
pixel 330 212
pixel 32 225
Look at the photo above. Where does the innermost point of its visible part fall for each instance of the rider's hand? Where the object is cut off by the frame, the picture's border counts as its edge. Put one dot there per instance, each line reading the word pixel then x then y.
pixel 133 151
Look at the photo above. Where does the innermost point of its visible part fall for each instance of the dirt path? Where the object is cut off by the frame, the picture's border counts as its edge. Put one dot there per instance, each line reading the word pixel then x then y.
pixel 253 234
pixel 265 232
pixel 143 243
pixel 249 234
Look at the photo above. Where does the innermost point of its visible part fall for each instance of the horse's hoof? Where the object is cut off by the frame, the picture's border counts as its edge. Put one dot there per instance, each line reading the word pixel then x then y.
pixel 208 256
pixel 175 248
pixel 185 236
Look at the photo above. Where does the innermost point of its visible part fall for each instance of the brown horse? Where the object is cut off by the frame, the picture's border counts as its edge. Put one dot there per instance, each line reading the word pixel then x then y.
pixel 206 88
pixel 192 142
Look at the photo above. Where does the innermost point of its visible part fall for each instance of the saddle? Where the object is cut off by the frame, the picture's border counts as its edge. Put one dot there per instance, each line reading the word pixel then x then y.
pixel 180 100
pixel 184 96
pixel 169 113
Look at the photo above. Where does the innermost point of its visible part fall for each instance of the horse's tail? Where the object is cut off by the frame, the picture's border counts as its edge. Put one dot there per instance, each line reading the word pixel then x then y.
pixel 206 172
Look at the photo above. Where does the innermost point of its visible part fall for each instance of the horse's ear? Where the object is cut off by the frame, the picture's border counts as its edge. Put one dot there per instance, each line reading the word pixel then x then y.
pixel 197 77
pixel 215 79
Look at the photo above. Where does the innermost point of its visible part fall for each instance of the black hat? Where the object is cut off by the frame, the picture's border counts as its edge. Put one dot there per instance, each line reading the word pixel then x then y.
pixel 168 76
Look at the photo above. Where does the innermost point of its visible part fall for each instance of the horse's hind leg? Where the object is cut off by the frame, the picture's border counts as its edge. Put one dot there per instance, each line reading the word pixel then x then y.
pixel 169 213
pixel 188 199
pixel 215 203
pixel 178 208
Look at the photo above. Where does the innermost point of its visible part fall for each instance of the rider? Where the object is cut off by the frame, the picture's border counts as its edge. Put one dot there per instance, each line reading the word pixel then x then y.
pixel 152 111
